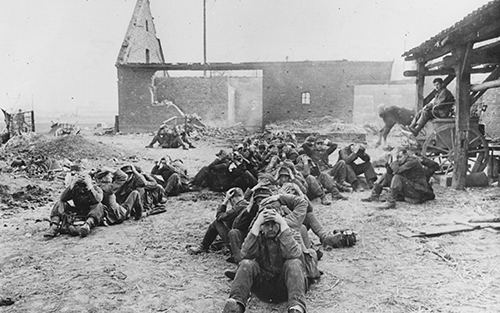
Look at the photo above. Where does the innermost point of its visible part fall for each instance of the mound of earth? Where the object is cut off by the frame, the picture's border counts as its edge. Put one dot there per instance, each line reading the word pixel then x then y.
pixel 72 147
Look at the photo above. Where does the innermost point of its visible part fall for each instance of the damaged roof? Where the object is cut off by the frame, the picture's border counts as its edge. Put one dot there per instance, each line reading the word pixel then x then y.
pixel 481 24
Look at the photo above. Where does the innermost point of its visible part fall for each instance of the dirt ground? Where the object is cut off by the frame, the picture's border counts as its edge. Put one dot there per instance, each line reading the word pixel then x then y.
pixel 143 266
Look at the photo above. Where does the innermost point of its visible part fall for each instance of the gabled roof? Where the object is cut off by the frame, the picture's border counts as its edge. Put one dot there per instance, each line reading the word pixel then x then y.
pixel 481 24
pixel 141 36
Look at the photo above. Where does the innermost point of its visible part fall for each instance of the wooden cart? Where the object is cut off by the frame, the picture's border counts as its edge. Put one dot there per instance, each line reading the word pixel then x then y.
pixel 438 144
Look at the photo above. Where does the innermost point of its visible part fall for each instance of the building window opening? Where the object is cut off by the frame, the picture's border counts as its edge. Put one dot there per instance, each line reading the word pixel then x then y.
pixel 306 98
pixel 147 56
pixel 147 26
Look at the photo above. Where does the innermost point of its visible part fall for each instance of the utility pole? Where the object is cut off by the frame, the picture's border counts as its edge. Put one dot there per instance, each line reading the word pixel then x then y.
pixel 204 31
pixel 204 36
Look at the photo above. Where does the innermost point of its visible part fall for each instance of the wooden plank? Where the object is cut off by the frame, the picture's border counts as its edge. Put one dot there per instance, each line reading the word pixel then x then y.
pixel 485 220
pixel 488 227
pixel 419 97
pixel 486 85
pixel 439 230
pixel 462 116
pixel 493 75
pixel 448 71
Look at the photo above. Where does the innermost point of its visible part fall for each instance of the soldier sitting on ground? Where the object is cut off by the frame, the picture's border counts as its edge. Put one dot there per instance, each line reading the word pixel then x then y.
pixel 110 181
pixel 223 220
pixel 85 212
pixel 271 267
pixel 350 154
pixel 429 168
pixel 173 175
pixel 409 182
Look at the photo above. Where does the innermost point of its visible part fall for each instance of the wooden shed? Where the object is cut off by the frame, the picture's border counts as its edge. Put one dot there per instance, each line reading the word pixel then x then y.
pixel 471 46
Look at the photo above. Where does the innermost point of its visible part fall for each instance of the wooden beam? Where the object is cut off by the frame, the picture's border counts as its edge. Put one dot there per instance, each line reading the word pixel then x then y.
pixel 475 95
pixel 462 115
pixel 446 82
pixel 419 100
pixel 448 71
pixel 486 85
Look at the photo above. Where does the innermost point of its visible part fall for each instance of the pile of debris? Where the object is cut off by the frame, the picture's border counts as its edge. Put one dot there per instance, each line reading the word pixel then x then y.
pixel 325 124
pixel 28 197
pixel 70 147
pixel 46 157
pixel 236 132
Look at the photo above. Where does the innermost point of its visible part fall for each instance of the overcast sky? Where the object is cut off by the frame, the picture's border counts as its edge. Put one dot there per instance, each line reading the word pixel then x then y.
pixel 60 54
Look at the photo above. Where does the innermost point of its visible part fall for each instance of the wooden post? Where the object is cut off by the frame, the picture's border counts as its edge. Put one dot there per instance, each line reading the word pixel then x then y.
pixel 462 115
pixel 32 117
pixel 420 85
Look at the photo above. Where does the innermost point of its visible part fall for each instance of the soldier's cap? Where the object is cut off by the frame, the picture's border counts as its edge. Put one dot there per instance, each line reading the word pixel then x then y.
pixel 289 164
pixel 284 171
pixel 100 173
pixel 235 191
pixel 262 192
pixel 262 146
pixel 221 154
pixel 310 139
pixel 268 177
pixel 127 169
pixel 281 145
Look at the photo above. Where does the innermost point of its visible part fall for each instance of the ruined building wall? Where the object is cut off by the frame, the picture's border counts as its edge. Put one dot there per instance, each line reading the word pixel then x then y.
pixel 330 86
pixel 205 96
pixel 141 45
pixel 136 114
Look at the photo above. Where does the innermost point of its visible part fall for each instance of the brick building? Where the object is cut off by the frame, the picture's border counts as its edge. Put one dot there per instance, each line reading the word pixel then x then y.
pixel 281 90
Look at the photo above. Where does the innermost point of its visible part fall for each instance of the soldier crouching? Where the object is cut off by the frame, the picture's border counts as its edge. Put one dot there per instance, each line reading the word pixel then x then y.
pixel 85 213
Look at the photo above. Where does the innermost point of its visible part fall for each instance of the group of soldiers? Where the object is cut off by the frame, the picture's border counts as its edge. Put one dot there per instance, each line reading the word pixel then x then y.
pixel 107 196
pixel 270 185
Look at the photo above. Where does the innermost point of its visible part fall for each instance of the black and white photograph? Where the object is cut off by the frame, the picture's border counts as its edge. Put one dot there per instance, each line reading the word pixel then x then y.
pixel 255 156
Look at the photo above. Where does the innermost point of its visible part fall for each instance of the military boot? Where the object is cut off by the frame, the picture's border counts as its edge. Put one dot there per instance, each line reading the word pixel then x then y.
pixel 324 200
pixel 84 230
pixel 372 198
pixel 390 204
pixel 52 232
pixel 232 306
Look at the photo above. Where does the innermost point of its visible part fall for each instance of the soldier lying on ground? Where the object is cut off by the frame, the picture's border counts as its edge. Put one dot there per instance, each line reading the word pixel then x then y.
pixel 223 220
pixel 80 217
pixel 271 267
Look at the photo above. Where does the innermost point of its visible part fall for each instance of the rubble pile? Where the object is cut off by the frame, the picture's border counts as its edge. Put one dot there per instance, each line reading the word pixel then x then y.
pixel 45 156
pixel 71 147
pixel 237 132
pixel 325 124
pixel 28 197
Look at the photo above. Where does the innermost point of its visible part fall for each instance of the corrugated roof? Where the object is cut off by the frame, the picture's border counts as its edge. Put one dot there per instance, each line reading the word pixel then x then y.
pixel 470 24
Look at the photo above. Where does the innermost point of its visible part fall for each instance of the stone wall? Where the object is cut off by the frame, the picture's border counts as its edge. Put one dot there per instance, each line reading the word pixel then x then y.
pixel 329 84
